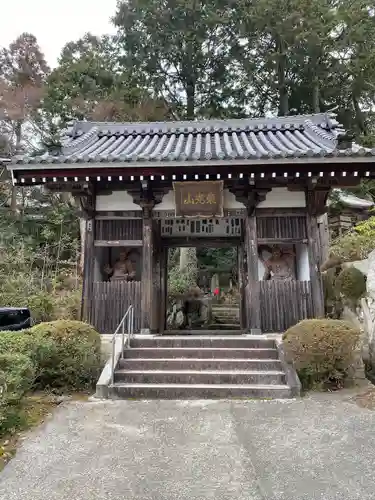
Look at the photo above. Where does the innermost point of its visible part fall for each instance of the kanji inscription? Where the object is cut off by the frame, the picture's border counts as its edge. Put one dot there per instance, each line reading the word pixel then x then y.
pixel 199 199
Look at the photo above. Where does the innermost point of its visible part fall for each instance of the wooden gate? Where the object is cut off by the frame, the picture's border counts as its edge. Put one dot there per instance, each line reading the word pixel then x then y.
pixel 284 303
pixel 110 302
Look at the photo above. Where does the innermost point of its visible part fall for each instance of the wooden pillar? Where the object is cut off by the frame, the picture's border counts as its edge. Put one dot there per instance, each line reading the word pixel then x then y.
pixel 147 261
pixel 253 295
pixel 241 284
pixel 88 271
pixel 316 198
pixel 324 238
pixel 87 201
pixel 314 266
pixel 162 304
pixel 156 270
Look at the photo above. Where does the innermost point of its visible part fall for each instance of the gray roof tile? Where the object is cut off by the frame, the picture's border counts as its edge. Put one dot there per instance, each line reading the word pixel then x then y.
pixel 240 139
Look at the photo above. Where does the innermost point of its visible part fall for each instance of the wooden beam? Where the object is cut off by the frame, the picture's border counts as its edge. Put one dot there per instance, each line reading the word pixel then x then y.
pixel 316 199
pixel 205 242
pixel 249 194
pixel 284 241
pixel 118 243
pixel 277 212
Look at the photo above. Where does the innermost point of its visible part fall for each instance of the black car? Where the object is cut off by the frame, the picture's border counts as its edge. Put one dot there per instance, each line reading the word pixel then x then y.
pixel 14 318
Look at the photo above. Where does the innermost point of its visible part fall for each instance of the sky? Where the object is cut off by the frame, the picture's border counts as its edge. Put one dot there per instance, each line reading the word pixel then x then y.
pixel 55 23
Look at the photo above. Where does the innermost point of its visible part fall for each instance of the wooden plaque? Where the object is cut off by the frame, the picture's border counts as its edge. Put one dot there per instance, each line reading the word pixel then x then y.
pixel 199 199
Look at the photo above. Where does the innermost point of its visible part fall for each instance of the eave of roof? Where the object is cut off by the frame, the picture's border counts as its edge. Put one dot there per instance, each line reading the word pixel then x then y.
pixel 330 159
pixel 281 140
pixel 352 201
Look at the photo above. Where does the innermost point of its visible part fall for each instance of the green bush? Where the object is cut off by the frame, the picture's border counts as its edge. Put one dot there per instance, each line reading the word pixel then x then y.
pixel 357 243
pixel 73 361
pixel 42 351
pixel 351 284
pixel 17 374
pixel 322 351
pixel 68 306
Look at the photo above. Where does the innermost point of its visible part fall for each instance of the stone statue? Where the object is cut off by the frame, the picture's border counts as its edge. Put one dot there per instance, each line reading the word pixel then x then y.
pixel 122 269
pixel 280 265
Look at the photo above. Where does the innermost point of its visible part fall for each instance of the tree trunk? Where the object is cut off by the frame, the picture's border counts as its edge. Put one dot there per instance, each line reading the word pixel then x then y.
pixel 13 200
pixel 316 97
pixel 18 134
pixel 189 81
pixel 281 77
pixel 190 100
pixel 359 117
pixel 66 197
pixel 188 263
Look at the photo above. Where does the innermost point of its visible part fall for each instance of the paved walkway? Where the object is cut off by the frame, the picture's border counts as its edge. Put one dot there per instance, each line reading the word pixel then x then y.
pixel 313 448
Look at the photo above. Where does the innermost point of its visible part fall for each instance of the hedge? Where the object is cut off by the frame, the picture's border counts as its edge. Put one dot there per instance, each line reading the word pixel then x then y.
pixel 74 360
pixel 65 354
pixel 322 351
pixel 17 374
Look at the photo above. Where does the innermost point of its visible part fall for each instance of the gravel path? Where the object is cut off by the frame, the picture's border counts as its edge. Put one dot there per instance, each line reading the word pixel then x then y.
pixel 313 448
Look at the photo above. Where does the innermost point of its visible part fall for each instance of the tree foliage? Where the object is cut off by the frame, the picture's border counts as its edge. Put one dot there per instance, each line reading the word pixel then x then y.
pixel 91 83
pixel 182 49
pixel 177 59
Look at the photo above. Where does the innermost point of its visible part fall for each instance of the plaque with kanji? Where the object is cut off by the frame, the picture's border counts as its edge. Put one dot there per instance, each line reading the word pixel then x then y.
pixel 199 199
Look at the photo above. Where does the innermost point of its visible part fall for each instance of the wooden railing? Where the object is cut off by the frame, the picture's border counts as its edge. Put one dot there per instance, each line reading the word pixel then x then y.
pixel 284 303
pixel 109 302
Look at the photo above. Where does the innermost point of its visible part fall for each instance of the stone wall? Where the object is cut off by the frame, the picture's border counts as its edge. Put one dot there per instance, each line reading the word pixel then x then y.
pixel 364 316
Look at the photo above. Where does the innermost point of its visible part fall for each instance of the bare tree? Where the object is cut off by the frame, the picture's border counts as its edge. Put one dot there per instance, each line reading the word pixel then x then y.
pixel 23 71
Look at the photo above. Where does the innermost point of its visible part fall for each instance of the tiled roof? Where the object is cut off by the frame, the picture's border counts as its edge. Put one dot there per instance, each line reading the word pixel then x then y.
pixel 352 201
pixel 209 140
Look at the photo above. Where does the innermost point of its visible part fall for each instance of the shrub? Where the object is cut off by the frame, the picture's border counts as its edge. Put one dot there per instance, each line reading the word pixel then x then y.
pixel 357 243
pixel 42 351
pixel 73 361
pixel 351 284
pixel 322 351
pixel 67 306
pixel 16 378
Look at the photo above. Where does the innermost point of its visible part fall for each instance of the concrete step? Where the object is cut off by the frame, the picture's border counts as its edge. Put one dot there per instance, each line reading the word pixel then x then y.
pixel 198 391
pixel 231 311
pixel 244 342
pixel 199 377
pixel 228 318
pixel 199 364
pixel 211 330
pixel 200 352
pixel 225 307
pixel 225 312
pixel 220 326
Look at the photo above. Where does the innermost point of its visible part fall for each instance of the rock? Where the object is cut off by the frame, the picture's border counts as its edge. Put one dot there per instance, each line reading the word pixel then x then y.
pixel 371 275
pixel 170 321
pixel 180 319
pixel 361 265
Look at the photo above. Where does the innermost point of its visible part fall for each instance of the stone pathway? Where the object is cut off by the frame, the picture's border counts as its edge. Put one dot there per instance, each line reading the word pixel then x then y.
pixel 320 447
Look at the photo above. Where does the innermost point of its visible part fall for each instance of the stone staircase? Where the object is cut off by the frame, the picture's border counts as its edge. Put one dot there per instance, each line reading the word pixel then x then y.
pixel 226 316
pixel 193 367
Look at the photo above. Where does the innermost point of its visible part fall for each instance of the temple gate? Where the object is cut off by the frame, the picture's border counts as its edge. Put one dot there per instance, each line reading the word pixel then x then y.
pixel 259 185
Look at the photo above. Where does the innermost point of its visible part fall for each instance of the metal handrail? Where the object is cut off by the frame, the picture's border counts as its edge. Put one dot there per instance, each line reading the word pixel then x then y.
pixel 129 315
